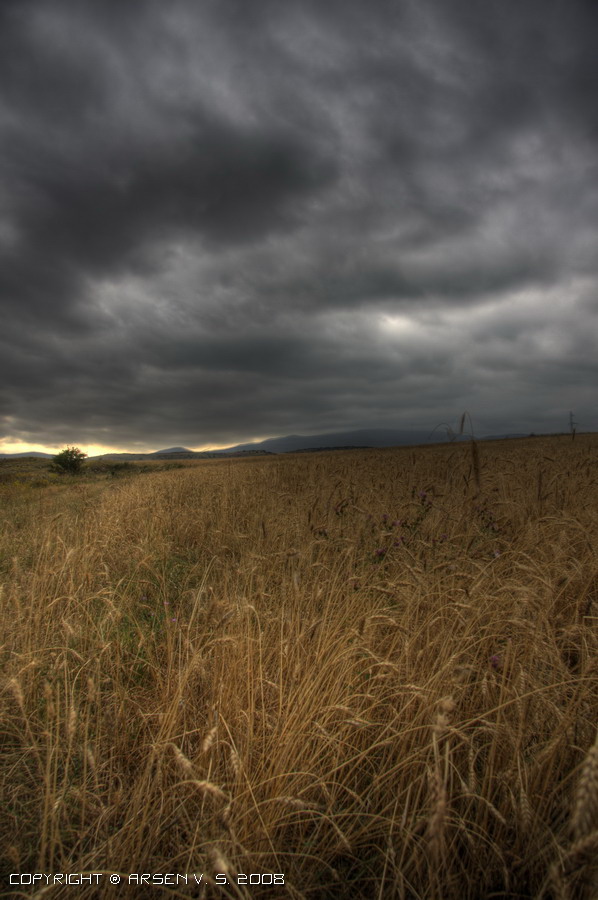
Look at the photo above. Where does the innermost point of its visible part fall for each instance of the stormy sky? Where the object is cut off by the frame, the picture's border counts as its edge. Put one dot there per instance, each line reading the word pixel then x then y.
pixel 224 220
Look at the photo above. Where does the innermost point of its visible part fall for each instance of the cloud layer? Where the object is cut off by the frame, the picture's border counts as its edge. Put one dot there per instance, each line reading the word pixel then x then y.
pixel 225 220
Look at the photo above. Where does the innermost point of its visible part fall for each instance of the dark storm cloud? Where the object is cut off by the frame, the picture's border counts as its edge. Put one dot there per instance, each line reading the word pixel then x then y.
pixel 224 219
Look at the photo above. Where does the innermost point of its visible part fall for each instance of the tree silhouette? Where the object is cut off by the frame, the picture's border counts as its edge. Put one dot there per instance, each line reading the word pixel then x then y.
pixel 70 460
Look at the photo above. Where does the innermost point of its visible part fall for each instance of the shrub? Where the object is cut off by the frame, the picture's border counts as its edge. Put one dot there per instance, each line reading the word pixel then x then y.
pixel 69 460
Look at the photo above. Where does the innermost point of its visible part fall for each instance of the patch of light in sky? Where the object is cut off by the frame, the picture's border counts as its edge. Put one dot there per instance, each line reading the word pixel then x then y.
pixel 399 325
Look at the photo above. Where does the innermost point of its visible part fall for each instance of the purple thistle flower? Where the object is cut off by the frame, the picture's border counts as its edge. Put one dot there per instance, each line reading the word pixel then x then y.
pixel 495 661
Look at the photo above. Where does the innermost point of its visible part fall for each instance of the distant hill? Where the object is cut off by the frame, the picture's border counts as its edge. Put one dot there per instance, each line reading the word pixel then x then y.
pixel 180 454
pixel 293 443
pixel 378 437
pixel 504 437
pixel 31 454
pixel 170 450
pixel 366 437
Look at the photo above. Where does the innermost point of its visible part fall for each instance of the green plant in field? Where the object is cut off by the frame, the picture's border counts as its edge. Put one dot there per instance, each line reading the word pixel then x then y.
pixel 69 460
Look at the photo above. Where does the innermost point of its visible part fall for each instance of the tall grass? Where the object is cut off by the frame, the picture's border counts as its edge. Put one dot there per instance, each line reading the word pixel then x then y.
pixel 372 671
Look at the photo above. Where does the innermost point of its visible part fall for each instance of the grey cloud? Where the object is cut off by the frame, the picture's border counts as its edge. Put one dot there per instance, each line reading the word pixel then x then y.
pixel 208 210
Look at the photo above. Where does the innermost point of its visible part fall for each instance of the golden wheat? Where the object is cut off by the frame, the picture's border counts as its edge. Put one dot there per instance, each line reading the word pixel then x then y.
pixel 370 670
pixel 585 813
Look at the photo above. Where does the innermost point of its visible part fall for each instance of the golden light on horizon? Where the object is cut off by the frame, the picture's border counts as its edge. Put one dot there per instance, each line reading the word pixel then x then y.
pixel 21 447
pixel 8 446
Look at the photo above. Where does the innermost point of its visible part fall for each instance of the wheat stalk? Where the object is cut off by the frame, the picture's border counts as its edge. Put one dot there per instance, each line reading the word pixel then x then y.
pixel 568 875
pixel 220 863
pixel 585 813
pixel 184 764
pixel 435 828
pixel 207 787
pixel 209 739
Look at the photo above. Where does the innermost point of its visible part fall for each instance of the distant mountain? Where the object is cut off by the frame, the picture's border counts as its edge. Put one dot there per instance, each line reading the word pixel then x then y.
pixel 365 437
pixel 504 437
pixel 171 453
pixel 125 456
pixel 170 450
pixel 31 453
pixel 293 443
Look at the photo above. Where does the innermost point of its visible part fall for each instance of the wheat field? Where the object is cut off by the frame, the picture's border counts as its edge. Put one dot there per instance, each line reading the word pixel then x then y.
pixel 367 673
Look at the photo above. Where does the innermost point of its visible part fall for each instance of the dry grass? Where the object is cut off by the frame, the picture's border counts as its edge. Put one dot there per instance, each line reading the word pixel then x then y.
pixel 372 671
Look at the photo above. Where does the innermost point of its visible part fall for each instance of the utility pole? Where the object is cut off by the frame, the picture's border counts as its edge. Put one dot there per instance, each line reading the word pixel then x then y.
pixel 572 424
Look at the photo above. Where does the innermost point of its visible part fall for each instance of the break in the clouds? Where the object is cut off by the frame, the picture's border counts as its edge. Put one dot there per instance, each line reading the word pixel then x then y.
pixel 223 219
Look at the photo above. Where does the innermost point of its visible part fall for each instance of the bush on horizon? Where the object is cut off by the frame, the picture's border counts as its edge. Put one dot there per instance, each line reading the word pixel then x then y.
pixel 69 460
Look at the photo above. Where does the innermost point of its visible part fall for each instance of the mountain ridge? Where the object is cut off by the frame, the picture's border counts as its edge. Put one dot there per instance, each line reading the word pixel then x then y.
pixel 31 454
pixel 360 438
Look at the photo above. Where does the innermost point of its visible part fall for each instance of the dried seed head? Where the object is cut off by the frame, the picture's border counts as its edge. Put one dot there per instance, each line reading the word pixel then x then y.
pixel 13 854
pixel 17 692
pixel 220 864
pixel 207 787
pixel 463 674
pixel 569 874
pixel 435 829
pixel 209 739
pixel 225 815
pixel 184 764
pixel 49 696
pixel 235 762
pixel 472 778
pixel 72 720
pixel 92 690
pixel 297 803
pixel 90 759
pixel 445 707
pixel 585 813
pixel 525 809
